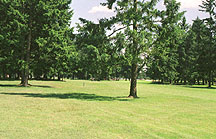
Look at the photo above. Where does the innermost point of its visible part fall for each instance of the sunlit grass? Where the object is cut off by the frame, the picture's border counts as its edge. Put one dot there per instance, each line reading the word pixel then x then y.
pixel 87 109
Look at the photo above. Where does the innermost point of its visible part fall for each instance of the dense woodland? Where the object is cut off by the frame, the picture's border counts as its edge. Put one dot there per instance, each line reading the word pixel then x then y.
pixel 140 41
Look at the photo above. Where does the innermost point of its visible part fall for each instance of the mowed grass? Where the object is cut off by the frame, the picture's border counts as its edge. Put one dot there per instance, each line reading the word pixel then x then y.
pixel 89 109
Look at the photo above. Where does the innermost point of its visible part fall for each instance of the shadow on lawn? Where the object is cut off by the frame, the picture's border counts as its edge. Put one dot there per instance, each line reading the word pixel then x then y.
pixel 199 87
pixel 79 96
pixel 183 85
pixel 153 83
pixel 9 85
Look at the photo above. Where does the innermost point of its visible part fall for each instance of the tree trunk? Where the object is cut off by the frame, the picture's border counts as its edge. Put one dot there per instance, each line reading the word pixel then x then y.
pixel 133 85
pixel 209 84
pixel 59 77
pixel 198 81
pixel 25 76
pixel 134 68
pixel 73 76
pixel 45 76
pixel 209 80
pixel 4 74
pixel 22 71
pixel 22 76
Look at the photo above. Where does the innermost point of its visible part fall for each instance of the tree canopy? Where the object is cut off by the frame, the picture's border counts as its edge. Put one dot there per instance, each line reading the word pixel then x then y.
pixel 140 41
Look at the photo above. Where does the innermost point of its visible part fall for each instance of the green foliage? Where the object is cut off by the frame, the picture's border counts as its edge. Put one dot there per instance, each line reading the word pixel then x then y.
pixel 183 53
pixel 209 6
pixel 36 44
pixel 95 51
pixel 164 62
pixel 142 36
pixel 137 19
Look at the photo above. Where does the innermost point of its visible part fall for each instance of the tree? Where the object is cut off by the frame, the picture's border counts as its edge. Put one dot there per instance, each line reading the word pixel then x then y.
pixel 138 19
pixel 35 39
pixel 54 45
pixel 169 39
pixel 209 6
pixel 183 51
pixel 95 51
pixel 198 56
pixel 10 39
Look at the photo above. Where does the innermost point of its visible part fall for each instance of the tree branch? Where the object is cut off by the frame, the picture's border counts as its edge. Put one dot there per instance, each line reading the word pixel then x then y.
pixel 116 31
pixel 140 68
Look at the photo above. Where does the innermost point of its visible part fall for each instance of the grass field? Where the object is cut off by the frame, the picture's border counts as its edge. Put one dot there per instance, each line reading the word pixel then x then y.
pixel 88 110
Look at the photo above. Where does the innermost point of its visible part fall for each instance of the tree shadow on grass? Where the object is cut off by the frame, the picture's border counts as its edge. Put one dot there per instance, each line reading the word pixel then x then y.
pixel 79 96
pixel 199 87
pixel 9 85
pixel 182 85
pixel 154 83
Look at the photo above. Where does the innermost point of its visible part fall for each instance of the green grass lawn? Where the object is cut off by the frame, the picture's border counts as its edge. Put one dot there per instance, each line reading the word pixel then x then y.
pixel 87 109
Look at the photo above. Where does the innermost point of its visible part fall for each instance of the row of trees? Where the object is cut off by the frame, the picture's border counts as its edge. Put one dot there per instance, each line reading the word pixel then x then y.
pixel 35 38
pixel 190 56
pixel 37 42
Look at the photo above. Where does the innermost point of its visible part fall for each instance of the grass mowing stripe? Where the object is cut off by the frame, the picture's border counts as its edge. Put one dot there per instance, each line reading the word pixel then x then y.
pixel 88 109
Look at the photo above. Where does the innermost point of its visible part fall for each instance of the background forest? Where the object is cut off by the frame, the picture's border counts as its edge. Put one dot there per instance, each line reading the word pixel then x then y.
pixel 140 41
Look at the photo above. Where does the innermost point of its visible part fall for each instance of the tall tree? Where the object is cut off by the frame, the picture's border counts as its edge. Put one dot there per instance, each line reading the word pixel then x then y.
pixel 10 38
pixel 197 52
pixel 169 39
pixel 209 6
pixel 54 45
pixel 138 19
pixel 35 36
pixel 94 49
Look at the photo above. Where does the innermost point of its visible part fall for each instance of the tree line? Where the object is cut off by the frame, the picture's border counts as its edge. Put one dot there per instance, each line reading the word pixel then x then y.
pixel 37 42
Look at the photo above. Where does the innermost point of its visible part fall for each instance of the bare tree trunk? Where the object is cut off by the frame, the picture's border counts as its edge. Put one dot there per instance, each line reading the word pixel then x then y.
pixel 210 79
pixel 22 72
pixel 28 51
pixel 133 85
pixel 4 74
pixel 209 84
pixel 162 81
pixel 59 77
